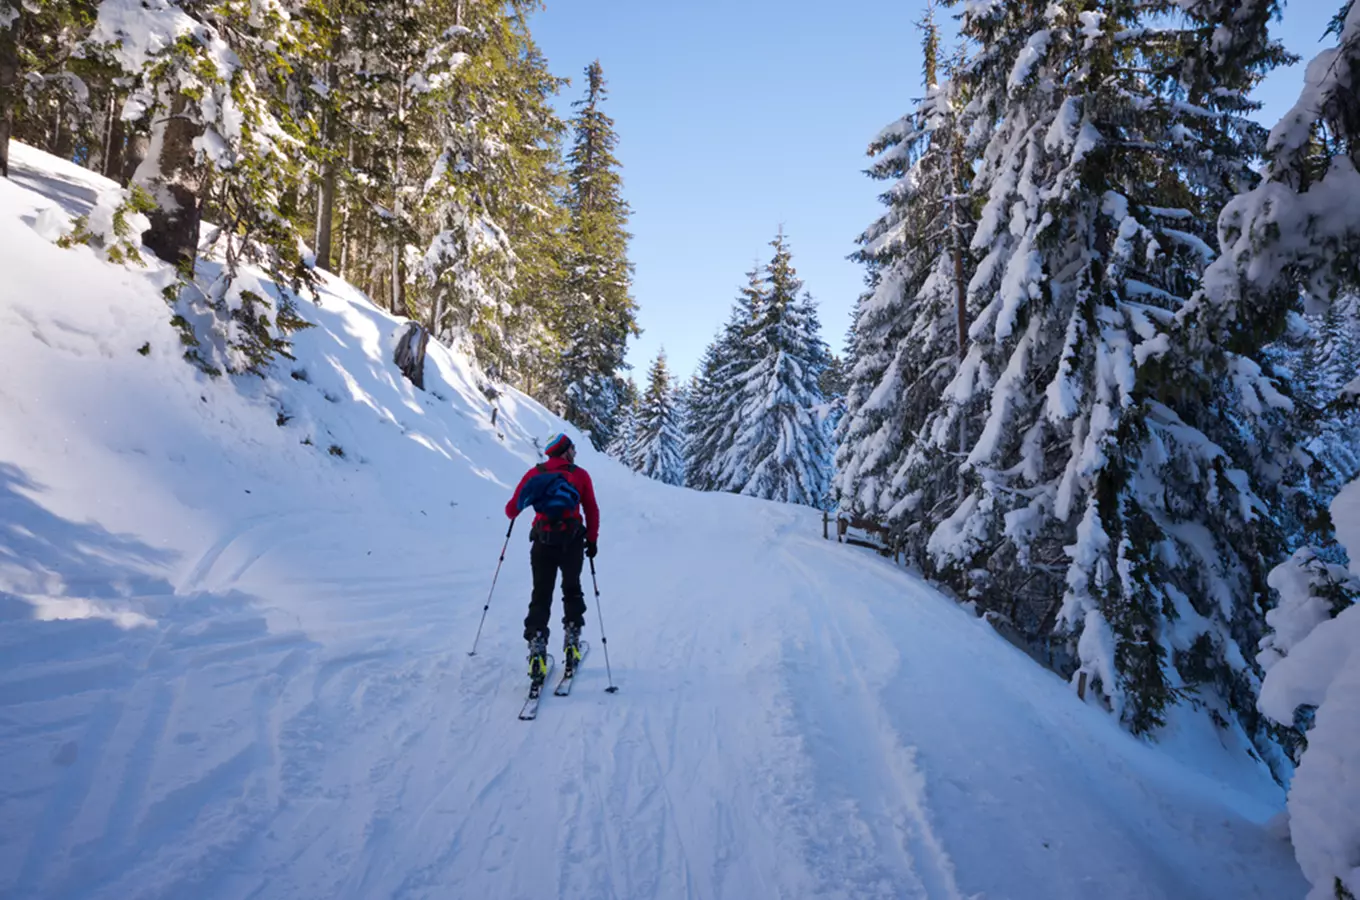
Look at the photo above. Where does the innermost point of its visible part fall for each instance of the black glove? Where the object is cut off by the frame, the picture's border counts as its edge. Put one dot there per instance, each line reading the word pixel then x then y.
pixel 591 549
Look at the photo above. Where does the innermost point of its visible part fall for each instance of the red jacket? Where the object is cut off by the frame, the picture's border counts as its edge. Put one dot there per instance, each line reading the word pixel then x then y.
pixel 579 479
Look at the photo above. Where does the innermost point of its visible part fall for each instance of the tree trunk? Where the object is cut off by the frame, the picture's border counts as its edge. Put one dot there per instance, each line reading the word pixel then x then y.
pixel 398 279
pixel 136 145
pixel 436 313
pixel 9 80
pixel 343 266
pixel 62 144
pixel 325 207
pixel 114 154
pixel 346 212
pixel 960 289
pixel 325 214
pixel 97 145
pixel 955 227
pixel 172 176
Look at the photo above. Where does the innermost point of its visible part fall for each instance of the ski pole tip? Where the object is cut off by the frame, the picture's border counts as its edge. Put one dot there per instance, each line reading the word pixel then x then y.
pixel 612 689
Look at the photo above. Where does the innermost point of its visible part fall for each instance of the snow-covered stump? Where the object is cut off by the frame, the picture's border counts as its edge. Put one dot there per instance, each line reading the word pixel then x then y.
pixel 409 355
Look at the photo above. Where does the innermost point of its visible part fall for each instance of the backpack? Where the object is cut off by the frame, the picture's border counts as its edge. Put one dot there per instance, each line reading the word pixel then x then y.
pixel 550 494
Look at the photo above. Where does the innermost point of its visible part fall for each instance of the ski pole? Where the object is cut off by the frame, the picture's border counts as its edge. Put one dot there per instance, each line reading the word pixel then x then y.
pixel 473 651
pixel 604 641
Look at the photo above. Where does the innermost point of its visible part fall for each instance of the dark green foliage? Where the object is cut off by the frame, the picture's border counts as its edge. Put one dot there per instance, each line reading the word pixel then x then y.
pixel 599 313
pixel 424 131
pixel 658 440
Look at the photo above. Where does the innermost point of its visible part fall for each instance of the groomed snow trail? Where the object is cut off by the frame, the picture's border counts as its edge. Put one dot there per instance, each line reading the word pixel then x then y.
pixel 233 665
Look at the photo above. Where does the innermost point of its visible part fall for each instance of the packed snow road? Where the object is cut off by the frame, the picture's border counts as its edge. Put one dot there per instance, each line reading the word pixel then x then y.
pixel 795 719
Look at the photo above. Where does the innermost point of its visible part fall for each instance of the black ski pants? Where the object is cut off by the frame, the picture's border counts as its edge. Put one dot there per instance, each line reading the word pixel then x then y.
pixel 565 555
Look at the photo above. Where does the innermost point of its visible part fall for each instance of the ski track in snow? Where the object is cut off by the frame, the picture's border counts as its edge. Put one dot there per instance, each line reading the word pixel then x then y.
pixel 296 714
pixel 860 756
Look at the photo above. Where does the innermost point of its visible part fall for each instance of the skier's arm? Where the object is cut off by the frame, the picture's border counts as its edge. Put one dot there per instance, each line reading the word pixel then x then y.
pixel 512 508
pixel 588 505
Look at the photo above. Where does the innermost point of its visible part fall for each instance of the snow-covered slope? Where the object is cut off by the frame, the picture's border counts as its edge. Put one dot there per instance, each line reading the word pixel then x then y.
pixel 233 663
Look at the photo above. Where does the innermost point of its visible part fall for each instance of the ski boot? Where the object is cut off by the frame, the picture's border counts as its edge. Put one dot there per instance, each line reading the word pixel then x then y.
pixel 538 658
pixel 571 648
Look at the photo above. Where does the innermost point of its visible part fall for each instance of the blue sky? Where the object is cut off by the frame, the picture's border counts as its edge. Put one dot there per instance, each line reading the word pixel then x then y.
pixel 737 117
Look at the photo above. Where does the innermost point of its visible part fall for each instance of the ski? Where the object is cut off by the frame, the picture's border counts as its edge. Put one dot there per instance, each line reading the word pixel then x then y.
pixel 530 708
pixel 568 673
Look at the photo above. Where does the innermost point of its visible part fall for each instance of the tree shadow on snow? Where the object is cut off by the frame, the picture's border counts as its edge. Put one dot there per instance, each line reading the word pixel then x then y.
pixel 65 571
pixel 89 700
pixel 75 197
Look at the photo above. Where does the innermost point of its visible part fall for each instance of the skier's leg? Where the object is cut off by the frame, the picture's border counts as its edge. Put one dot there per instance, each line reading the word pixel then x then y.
pixel 573 596
pixel 543 562
pixel 573 602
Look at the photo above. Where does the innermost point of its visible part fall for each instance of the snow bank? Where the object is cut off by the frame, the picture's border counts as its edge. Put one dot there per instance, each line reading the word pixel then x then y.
pixel 1346 519
pixel 1324 798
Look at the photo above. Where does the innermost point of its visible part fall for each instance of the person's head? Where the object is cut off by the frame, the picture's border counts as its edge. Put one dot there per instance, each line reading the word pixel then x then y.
pixel 561 446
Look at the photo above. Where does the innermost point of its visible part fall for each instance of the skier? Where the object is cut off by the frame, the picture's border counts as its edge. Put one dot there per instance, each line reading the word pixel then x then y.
pixel 558 489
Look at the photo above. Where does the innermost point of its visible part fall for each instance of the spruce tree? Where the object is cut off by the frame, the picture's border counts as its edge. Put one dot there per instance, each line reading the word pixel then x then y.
pixel 414 143
pixel 43 99
pixel 1298 230
pixel 599 314
pixel 658 447
pixel 780 449
pixel 490 187
pixel 1093 498
pixel 909 327
pixel 704 403
pixel 208 78
pixel 718 399
pixel 1322 354
pixel 624 445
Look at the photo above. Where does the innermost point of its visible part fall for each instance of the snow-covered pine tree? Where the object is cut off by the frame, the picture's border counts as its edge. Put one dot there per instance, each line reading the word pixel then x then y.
pixel 325 91
pixel 1337 412
pixel 599 314
pixel 908 329
pixel 491 181
pixel 1299 230
pixel 624 445
pixel 833 384
pixel 1112 132
pixel 1321 353
pixel 533 348
pixel 44 99
pixel 684 415
pixel 718 397
pixel 383 126
pixel 703 406
pixel 659 443
pixel 393 133
pixel 780 449
pixel 205 76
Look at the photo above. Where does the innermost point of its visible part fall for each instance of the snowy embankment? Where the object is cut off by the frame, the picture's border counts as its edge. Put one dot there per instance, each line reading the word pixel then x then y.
pixel 233 663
